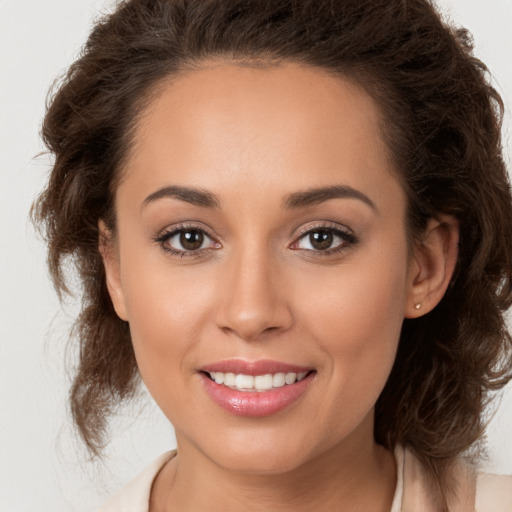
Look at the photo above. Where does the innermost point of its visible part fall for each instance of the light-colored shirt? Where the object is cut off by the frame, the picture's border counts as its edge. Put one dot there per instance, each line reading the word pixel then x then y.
pixel 481 493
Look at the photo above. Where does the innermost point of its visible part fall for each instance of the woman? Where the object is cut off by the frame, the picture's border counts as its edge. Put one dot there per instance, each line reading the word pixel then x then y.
pixel 291 220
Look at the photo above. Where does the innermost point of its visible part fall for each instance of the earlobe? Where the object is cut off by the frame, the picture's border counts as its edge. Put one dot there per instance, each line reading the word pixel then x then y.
pixel 434 261
pixel 110 257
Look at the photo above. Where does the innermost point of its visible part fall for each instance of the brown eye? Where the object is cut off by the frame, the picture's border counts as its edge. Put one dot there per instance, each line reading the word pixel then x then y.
pixel 191 240
pixel 321 240
pixel 324 240
pixel 186 241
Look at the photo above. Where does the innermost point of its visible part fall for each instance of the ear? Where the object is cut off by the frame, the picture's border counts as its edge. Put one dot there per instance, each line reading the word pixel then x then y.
pixel 432 265
pixel 110 256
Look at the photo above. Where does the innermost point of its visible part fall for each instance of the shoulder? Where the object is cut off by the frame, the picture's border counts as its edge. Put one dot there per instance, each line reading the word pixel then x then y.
pixel 480 492
pixel 134 496
pixel 493 493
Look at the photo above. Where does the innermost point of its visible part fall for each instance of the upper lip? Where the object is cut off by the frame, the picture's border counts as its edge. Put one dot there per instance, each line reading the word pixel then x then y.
pixel 260 367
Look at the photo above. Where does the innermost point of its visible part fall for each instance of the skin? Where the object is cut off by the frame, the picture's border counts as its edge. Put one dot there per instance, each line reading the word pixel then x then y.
pixel 251 137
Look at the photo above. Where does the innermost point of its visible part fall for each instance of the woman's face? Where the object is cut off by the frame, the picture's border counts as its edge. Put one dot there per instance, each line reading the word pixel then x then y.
pixel 261 240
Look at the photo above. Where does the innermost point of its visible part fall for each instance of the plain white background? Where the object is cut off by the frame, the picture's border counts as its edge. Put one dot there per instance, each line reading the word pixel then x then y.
pixel 42 466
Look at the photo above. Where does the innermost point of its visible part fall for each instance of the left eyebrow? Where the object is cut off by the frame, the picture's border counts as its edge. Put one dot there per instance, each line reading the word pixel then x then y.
pixel 314 196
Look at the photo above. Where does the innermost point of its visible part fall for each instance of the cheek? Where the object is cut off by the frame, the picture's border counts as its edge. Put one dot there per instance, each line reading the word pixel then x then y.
pixel 161 297
pixel 167 310
pixel 355 316
pixel 356 299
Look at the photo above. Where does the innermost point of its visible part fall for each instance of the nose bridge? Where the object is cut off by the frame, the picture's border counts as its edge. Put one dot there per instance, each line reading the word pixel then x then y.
pixel 252 303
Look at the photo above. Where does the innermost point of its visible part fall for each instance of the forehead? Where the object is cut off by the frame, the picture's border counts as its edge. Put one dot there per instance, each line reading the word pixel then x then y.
pixel 286 124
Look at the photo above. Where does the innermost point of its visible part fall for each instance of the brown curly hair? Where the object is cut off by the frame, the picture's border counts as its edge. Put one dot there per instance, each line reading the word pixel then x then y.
pixel 442 128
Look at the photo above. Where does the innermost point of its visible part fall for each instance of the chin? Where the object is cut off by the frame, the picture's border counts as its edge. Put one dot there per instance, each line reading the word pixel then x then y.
pixel 262 452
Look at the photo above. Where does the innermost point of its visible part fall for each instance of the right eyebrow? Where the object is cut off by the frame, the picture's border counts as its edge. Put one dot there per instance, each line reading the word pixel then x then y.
pixel 191 195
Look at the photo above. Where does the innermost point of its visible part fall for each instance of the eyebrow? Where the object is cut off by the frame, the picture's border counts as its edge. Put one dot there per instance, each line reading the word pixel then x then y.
pixel 314 196
pixel 191 195
pixel 303 199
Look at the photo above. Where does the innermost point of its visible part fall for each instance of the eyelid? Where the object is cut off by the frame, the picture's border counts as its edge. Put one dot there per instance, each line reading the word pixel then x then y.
pixel 170 231
pixel 182 226
pixel 342 231
pixel 324 224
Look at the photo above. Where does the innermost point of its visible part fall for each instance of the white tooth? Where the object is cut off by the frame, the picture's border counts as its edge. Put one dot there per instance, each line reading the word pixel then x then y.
pixel 229 379
pixel 290 378
pixel 263 382
pixel 259 382
pixel 301 375
pixel 244 381
pixel 278 380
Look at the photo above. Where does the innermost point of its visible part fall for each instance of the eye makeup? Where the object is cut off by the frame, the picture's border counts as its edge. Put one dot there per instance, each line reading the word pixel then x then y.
pixel 320 239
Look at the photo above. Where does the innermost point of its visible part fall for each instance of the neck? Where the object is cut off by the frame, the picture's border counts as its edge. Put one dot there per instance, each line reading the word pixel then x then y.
pixel 360 477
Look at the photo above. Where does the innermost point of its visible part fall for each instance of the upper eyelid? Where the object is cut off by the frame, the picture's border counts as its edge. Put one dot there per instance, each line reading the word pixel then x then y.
pixel 195 226
pixel 327 225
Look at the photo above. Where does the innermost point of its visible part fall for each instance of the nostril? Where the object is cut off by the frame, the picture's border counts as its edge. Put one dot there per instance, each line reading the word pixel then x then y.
pixel 251 333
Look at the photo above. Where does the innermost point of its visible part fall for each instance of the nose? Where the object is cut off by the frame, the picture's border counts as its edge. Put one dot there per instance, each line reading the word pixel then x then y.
pixel 252 298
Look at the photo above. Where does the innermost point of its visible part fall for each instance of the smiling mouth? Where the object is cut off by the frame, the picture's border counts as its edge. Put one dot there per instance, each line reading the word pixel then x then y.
pixel 256 383
pixel 256 388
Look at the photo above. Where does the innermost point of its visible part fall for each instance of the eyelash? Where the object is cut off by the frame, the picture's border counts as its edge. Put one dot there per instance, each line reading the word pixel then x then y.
pixel 164 238
pixel 346 235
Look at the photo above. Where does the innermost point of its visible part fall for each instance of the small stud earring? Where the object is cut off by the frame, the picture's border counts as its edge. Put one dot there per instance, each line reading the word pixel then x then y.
pixel 417 306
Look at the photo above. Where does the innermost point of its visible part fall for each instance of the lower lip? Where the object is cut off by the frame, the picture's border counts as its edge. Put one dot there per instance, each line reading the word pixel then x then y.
pixel 256 403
